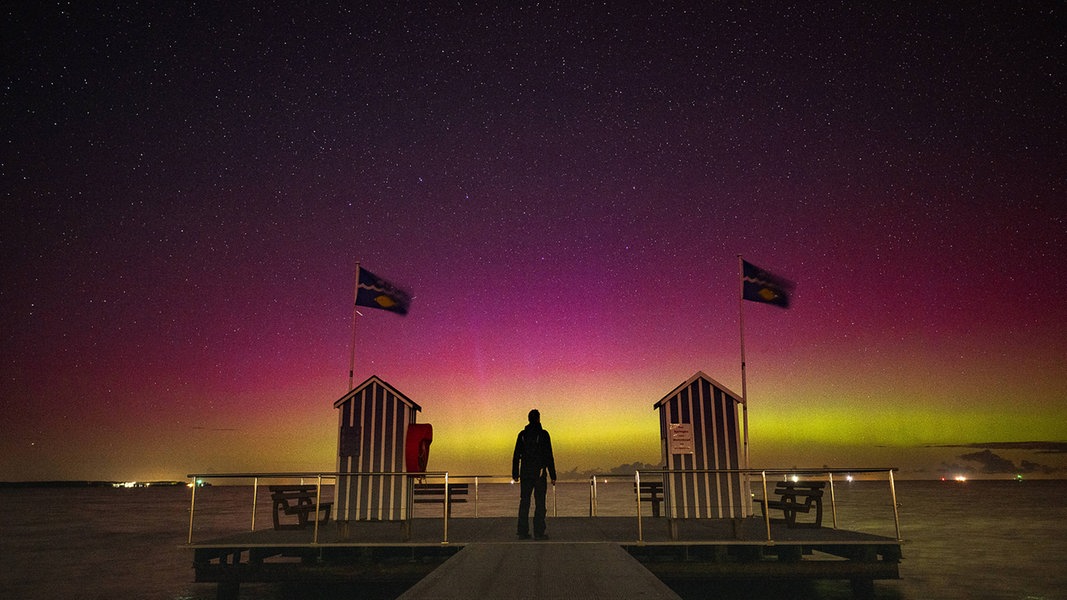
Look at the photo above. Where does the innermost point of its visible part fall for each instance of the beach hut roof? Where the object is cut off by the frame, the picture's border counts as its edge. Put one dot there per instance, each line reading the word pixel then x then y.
pixel 688 382
pixel 372 380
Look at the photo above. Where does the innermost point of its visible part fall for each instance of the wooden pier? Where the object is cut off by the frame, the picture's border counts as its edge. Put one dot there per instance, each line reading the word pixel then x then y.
pixel 587 556
pixel 562 570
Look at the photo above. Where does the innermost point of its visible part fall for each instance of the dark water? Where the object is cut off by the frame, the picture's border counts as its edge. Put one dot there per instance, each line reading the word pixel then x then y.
pixel 980 539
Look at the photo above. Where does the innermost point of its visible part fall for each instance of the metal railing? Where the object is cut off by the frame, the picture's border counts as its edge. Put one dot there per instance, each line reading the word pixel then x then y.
pixel 477 479
pixel 747 474
pixel 198 478
pixel 793 474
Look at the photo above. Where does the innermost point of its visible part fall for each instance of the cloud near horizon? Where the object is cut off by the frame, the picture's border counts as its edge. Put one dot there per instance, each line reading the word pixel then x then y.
pixel 1039 447
pixel 991 463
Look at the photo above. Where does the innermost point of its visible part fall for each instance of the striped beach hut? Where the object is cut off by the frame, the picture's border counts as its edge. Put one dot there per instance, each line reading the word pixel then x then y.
pixel 373 421
pixel 700 430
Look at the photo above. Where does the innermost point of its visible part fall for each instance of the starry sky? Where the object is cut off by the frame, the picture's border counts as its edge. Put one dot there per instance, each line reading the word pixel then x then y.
pixel 565 191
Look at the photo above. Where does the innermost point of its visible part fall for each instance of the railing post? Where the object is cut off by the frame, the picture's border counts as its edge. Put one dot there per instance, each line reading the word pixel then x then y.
pixel 255 491
pixel 637 495
pixel 748 488
pixel 318 506
pixel 475 497
pixel 896 513
pixel 445 540
pixel 833 498
pixel 555 503
pixel 192 510
pixel 766 507
pixel 592 496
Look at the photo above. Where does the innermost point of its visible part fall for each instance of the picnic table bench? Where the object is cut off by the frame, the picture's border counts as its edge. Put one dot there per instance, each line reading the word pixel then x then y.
pixel 796 497
pixel 652 492
pixel 297 500
pixel 434 493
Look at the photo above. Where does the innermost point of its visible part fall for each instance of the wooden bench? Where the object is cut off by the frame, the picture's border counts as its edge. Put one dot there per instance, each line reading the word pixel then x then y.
pixel 652 492
pixel 296 500
pixel 796 497
pixel 434 493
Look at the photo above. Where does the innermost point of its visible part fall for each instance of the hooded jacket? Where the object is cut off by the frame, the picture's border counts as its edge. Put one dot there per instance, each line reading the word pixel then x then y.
pixel 533 453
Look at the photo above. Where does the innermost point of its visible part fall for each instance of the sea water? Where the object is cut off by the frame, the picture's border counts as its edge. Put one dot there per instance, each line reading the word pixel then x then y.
pixel 969 540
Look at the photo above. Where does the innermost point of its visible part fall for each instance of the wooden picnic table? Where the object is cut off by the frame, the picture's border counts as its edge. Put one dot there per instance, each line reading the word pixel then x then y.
pixel 796 497
pixel 297 500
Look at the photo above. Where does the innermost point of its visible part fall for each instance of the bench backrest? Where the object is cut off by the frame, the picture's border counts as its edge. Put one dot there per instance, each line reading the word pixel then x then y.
pixel 799 492
pixel 651 489
pixel 302 490
pixel 302 494
pixel 438 489
pixel 802 485
pixel 799 487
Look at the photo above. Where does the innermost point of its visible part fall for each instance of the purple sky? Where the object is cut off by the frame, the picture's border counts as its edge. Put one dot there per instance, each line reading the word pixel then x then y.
pixel 565 191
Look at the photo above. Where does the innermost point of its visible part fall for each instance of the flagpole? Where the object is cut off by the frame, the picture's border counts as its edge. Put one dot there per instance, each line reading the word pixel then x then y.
pixel 352 354
pixel 741 320
pixel 744 380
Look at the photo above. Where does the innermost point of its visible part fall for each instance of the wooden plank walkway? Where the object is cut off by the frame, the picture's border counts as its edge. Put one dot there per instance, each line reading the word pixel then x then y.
pixel 546 571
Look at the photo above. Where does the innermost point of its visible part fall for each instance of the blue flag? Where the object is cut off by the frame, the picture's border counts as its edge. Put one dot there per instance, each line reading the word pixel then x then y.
pixel 375 292
pixel 762 286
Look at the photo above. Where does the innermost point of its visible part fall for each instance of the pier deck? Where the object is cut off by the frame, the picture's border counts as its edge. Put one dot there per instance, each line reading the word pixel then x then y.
pixel 703 550
pixel 540 570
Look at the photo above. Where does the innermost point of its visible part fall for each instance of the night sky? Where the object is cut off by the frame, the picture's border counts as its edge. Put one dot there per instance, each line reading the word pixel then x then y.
pixel 565 190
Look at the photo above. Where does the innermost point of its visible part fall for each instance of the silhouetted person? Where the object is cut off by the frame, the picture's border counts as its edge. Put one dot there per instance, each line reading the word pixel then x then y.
pixel 530 464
